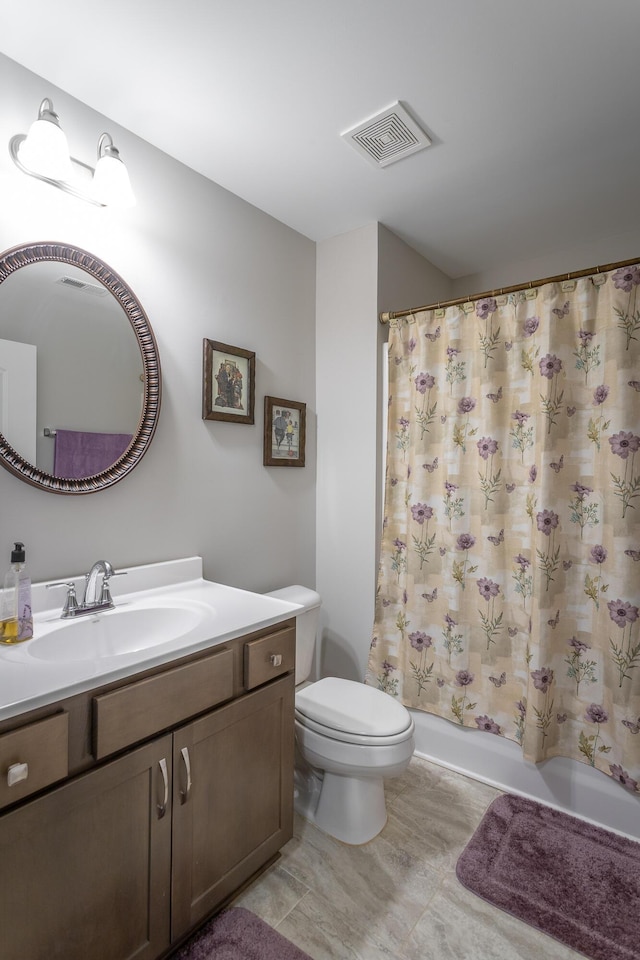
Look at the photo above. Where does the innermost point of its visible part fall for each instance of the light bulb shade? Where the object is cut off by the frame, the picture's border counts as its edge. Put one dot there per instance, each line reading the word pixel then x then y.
pixel 45 150
pixel 111 184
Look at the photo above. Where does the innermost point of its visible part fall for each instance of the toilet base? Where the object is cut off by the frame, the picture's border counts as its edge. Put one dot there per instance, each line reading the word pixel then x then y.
pixel 307 784
pixel 351 809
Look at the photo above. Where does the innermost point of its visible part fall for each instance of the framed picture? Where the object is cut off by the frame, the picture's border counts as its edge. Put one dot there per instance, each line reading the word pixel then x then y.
pixel 228 383
pixel 284 432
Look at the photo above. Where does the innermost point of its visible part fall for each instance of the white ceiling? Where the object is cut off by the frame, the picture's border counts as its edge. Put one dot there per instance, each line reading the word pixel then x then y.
pixel 532 106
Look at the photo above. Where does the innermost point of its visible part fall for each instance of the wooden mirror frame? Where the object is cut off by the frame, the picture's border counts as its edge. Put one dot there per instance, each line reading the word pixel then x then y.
pixel 21 256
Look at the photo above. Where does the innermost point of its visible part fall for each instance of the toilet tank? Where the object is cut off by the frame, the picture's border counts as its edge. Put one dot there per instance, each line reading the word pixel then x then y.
pixel 306 625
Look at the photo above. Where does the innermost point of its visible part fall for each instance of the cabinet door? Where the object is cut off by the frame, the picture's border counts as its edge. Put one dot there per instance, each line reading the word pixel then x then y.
pixel 85 869
pixel 233 798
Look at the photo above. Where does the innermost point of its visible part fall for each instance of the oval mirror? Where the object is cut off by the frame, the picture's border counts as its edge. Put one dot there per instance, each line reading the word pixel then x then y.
pixel 79 370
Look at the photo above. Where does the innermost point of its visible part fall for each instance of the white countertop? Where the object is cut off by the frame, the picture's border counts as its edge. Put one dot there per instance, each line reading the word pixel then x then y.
pixel 28 681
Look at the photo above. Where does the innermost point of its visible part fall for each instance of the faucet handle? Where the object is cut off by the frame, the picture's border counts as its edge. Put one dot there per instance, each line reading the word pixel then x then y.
pixel 105 596
pixel 71 603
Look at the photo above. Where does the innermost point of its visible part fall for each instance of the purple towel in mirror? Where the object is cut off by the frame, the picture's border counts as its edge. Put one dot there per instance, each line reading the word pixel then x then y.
pixel 79 454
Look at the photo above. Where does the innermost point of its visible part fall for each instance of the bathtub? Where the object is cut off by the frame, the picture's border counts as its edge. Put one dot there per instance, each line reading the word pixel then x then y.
pixel 562 783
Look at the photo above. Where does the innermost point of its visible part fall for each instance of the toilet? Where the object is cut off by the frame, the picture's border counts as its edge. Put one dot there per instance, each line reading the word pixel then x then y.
pixel 349 738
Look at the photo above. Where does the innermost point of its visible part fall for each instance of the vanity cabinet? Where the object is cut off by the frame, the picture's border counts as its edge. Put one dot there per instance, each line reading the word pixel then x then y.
pixel 85 868
pixel 188 794
pixel 232 799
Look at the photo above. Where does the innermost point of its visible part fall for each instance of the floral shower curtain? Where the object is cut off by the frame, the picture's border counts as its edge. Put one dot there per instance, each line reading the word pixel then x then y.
pixel 509 584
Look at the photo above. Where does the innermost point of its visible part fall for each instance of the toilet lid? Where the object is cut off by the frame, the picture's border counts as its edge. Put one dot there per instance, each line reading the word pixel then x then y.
pixel 352 708
pixel 358 738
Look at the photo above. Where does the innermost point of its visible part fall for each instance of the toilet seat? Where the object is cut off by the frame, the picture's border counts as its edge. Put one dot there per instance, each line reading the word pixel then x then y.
pixel 353 713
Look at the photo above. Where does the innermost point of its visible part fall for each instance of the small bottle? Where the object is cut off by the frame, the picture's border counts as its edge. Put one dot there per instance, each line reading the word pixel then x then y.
pixel 16 618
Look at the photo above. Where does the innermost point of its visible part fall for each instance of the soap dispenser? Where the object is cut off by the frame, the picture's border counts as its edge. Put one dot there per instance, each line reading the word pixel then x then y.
pixel 16 618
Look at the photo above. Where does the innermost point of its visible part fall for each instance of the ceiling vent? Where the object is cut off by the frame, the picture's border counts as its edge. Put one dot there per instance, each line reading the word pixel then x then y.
pixel 387 137
pixel 90 288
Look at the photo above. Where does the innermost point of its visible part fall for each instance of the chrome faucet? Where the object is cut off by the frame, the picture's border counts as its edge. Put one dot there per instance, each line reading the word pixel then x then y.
pixel 92 603
pixel 91 600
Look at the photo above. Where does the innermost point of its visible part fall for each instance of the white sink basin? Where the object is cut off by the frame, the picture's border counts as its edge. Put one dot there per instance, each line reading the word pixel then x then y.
pixel 119 632
pixel 163 611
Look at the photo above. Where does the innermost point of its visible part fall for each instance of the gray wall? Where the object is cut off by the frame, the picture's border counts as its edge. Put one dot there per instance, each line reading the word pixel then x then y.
pixel 204 264
pixel 346 347
pixel 590 253
pixel 358 275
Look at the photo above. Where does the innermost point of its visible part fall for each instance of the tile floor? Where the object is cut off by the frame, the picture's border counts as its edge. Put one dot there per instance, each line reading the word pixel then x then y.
pixel 396 897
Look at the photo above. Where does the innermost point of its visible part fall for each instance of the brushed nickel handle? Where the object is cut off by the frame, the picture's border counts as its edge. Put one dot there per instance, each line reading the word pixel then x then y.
pixel 71 603
pixel 17 773
pixel 105 595
pixel 184 794
pixel 276 659
pixel 162 807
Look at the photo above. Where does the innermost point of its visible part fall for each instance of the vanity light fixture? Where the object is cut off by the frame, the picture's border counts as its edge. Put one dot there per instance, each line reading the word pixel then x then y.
pixel 111 184
pixel 43 153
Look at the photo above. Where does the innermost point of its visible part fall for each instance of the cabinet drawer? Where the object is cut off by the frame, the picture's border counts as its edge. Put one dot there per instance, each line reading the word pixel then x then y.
pixel 269 657
pixel 130 714
pixel 44 748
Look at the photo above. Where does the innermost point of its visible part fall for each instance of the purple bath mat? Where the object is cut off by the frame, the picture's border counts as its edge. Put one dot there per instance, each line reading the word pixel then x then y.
pixel 237 934
pixel 576 882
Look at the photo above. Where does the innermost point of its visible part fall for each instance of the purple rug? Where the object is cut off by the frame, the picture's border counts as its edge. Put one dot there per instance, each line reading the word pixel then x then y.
pixel 576 882
pixel 237 934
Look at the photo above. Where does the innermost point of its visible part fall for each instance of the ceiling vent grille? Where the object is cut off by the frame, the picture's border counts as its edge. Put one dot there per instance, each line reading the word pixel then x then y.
pixel 90 288
pixel 387 137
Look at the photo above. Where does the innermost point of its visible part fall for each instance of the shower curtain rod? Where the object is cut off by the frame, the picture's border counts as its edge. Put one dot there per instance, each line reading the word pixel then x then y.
pixel 386 317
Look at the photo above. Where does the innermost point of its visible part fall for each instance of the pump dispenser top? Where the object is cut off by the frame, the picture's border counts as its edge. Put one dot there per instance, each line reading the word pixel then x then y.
pixel 18 554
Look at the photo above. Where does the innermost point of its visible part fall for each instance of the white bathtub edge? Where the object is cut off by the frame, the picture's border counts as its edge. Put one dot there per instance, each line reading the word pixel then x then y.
pixel 560 783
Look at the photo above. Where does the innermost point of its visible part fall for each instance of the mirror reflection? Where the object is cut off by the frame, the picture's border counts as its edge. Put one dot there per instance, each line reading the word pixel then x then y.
pixel 70 366
pixel 80 380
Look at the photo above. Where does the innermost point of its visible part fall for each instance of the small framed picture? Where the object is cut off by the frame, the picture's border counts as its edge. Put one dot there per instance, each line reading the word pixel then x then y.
pixel 228 383
pixel 284 432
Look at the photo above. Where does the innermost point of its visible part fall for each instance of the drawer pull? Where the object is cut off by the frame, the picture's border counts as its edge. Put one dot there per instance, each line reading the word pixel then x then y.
pixel 162 807
pixel 276 659
pixel 184 794
pixel 16 773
